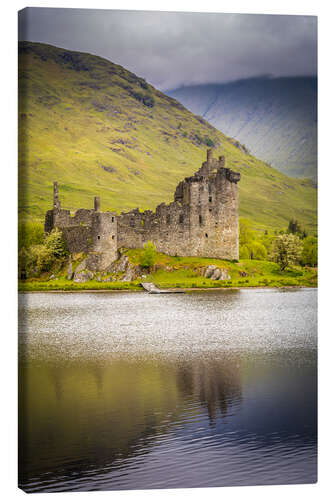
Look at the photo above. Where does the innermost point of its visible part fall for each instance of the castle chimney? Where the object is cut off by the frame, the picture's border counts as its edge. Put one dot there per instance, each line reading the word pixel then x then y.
pixel 97 204
pixel 221 161
pixel 209 155
pixel 56 202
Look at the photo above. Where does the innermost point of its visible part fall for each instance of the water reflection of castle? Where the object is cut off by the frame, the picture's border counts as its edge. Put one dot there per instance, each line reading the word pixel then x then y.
pixel 120 405
pixel 215 383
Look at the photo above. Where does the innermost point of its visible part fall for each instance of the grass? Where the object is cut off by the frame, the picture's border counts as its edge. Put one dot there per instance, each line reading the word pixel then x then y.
pixel 66 285
pixel 185 272
pixel 80 124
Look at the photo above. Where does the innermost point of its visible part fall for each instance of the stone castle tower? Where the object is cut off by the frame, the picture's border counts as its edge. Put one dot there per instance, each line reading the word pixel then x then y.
pixel 201 221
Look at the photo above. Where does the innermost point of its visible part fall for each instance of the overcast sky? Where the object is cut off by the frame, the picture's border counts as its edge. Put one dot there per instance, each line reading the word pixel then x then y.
pixel 171 49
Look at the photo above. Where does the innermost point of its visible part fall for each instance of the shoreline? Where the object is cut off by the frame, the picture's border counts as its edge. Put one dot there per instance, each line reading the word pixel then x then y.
pixel 213 289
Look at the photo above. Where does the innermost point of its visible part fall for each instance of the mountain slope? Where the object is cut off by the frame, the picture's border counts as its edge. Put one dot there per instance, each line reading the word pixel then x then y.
pixel 101 130
pixel 276 118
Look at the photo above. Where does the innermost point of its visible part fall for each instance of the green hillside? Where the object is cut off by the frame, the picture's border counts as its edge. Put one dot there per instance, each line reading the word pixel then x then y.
pixel 98 129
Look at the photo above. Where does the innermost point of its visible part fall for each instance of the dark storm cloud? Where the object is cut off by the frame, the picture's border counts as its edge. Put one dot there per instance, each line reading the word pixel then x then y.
pixel 171 49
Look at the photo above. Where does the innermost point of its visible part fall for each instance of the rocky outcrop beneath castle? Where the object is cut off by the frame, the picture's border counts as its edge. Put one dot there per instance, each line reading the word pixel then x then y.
pixel 131 272
pixel 120 270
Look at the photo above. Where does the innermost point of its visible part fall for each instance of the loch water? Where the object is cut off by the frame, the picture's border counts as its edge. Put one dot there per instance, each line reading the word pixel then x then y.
pixel 129 390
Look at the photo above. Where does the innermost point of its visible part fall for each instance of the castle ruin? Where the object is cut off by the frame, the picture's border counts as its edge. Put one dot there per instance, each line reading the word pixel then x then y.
pixel 201 221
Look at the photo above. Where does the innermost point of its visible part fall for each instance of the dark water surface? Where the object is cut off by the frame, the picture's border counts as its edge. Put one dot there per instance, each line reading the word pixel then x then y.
pixel 130 390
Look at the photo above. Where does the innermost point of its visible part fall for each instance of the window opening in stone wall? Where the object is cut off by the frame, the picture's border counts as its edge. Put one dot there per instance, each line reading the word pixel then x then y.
pixel 113 236
pixel 132 223
pixel 206 235
pixel 181 219
pixel 98 237
pixel 112 219
pixel 210 199
pixel 200 219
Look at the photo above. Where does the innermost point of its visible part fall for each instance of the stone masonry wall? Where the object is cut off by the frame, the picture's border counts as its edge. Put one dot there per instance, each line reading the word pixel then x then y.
pixel 201 221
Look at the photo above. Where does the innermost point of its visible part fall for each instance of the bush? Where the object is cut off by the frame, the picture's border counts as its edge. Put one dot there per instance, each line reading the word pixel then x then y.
pixel 244 252
pixel 146 98
pixel 30 233
pixel 286 250
pixel 209 142
pixel 56 244
pixel 249 247
pixel 246 235
pixel 36 259
pixel 258 250
pixel 310 251
pixel 147 258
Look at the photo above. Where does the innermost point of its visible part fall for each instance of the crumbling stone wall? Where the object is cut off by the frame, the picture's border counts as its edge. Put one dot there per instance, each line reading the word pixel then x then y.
pixel 77 238
pixel 201 221
pixel 88 231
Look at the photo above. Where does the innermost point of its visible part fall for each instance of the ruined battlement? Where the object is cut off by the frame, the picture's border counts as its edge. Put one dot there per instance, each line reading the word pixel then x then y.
pixel 201 221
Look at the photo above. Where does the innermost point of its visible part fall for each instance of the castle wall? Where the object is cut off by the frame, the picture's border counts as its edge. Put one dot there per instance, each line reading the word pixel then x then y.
pixel 104 240
pixel 77 238
pixel 201 221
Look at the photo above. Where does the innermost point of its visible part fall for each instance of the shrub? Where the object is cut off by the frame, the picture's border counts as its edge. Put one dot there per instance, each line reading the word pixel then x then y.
pixel 147 258
pixel 246 235
pixel 36 259
pixel 146 98
pixel 259 251
pixel 310 251
pixel 293 227
pixel 56 244
pixel 209 142
pixel 244 252
pixel 249 247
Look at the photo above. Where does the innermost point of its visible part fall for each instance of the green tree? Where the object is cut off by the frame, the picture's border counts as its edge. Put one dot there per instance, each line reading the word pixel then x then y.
pixel 148 255
pixel 286 250
pixel 209 142
pixel 249 246
pixel 310 251
pixel 30 233
pixel 294 227
pixel 258 250
pixel 246 235
pixel 36 259
pixel 56 244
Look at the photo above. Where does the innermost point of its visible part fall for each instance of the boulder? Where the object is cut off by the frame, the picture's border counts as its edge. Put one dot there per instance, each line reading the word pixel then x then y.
pixel 119 266
pixel 83 276
pixel 70 273
pixel 81 266
pixel 216 274
pixel 128 275
pixel 225 275
pixel 209 271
